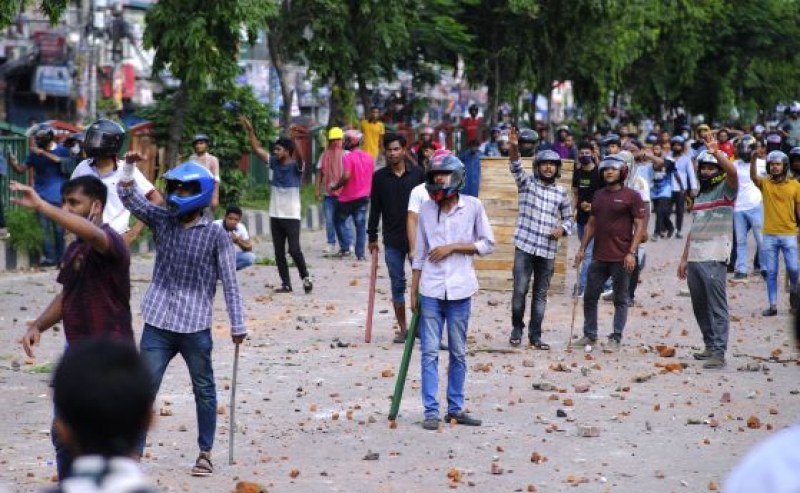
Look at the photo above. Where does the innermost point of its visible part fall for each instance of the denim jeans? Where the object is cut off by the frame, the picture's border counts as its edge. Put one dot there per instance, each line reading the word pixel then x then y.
pixel 158 347
pixel 773 246
pixel 586 260
pixel 396 265
pixel 598 273
pixel 64 457
pixel 333 232
pixel 53 244
pixel 743 222
pixel 244 259
pixel 707 289
pixel 357 210
pixel 542 269
pixel 433 315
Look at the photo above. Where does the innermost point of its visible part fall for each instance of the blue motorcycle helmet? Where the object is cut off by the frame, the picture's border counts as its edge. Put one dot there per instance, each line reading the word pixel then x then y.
pixel 446 164
pixel 190 187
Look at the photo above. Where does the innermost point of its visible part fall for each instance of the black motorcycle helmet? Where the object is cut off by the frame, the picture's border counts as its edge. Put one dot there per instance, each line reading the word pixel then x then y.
pixel 527 142
pixel 103 139
pixel 744 150
pixel 794 161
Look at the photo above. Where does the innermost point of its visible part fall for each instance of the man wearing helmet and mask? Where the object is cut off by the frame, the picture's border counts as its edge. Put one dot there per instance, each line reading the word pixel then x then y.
pixel 200 143
pixel 545 215
pixel 781 198
pixel 684 180
pixel 354 187
pixel 748 213
pixel 45 159
pixel 617 226
pixel 708 245
pixel 527 142
pixel 452 228
pixel 192 254
pixel 586 180
pixel 102 143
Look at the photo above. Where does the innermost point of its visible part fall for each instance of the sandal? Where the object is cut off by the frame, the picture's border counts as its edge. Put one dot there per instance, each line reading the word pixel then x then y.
pixel 540 345
pixel 203 465
pixel 516 337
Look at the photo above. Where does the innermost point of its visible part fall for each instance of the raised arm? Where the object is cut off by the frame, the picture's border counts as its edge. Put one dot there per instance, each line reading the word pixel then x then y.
pixel 251 136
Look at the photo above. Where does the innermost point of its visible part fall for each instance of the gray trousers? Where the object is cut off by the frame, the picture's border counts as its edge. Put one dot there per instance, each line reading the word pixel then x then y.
pixel 707 289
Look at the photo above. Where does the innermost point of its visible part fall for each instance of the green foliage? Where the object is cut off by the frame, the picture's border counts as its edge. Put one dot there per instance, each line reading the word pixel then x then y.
pixel 232 187
pixel 52 9
pixel 25 232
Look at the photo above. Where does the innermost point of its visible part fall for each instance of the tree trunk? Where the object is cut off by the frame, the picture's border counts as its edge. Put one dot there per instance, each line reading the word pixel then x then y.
pixel 363 93
pixel 176 127
pixel 279 63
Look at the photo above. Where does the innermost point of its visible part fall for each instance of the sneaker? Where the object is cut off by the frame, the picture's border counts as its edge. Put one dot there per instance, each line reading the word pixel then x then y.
pixel 329 251
pixel 203 465
pixel 715 362
pixel 613 345
pixel 771 311
pixel 344 254
pixel 462 418
pixel 583 341
pixel 283 289
pixel 431 424
pixel 678 236
pixel 608 295
pixel 307 285
pixel 739 276
pixel 401 337
pixel 706 354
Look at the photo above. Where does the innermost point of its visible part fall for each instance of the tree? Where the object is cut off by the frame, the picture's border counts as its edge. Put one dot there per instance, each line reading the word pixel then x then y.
pixel 198 42
pixel 53 9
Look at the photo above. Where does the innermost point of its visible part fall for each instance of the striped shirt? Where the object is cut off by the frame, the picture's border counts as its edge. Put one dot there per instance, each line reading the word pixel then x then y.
pixel 189 261
pixel 712 234
pixel 542 208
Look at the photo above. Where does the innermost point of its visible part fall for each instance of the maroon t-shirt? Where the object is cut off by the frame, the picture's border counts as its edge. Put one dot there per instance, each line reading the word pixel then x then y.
pixel 614 212
pixel 97 291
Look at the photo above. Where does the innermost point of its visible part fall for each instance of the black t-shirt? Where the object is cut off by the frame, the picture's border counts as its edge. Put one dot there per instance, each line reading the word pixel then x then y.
pixel 587 183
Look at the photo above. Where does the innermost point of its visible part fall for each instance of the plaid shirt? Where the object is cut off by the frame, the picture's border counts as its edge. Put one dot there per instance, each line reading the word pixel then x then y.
pixel 540 206
pixel 188 263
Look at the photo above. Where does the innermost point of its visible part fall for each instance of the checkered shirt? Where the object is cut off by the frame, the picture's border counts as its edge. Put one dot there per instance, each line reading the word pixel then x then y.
pixel 189 261
pixel 542 208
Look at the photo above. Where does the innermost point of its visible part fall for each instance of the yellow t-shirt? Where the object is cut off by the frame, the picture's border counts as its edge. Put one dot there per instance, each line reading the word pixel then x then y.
pixel 779 206
pixel 373 133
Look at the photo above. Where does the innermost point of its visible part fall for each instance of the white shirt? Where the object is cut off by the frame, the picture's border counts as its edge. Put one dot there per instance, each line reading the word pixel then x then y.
pixel 771 467
pixel 454 277
pixel 749 196
pixel 638 182
pixel 685 169
pixel 114 213
pixel 241 230
pixel 419 195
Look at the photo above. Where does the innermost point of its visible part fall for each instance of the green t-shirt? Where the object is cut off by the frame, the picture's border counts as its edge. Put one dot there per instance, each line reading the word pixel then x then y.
pixel 712 228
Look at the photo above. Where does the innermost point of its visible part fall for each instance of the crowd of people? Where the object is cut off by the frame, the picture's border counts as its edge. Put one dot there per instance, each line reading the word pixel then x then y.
pixel 423 205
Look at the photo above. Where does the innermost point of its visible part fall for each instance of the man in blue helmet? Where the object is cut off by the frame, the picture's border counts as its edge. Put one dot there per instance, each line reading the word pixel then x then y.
pixel 452 228
pixel 545 215
pixel 192 254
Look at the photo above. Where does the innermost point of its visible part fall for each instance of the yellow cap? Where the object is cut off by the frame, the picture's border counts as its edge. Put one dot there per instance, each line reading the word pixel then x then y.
pixel 335 133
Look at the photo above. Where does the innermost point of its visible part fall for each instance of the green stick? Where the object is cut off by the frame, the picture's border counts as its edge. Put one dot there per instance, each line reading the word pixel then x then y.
pixel 399 386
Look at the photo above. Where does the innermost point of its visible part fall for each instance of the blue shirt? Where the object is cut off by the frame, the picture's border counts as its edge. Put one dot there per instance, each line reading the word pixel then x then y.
pixel 189 261
pixel 47 177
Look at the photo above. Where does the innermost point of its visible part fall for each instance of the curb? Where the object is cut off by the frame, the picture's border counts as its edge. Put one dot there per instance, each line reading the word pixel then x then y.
pixel 257 223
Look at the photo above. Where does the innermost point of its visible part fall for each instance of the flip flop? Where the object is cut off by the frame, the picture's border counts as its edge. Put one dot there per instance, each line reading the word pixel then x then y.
pixel 516 338
pixel 542 346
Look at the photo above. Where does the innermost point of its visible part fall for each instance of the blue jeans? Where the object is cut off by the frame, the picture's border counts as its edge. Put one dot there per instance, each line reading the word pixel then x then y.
pixel 542 269
pixel 333 232
pixel 357 210
pixel 743 222
pixel 433 315
pixel 158 347
pixel 53 233
pixel 244 259
pixel 773 246
pixel 396 265
pixel 587 259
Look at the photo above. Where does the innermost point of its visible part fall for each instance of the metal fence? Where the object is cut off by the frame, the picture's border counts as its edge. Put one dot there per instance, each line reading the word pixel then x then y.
pixel 12 145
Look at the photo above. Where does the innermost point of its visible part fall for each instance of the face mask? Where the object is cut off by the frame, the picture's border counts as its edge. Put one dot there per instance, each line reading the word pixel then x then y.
pixel 685 135
pixel 585 159
pixel 75 150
